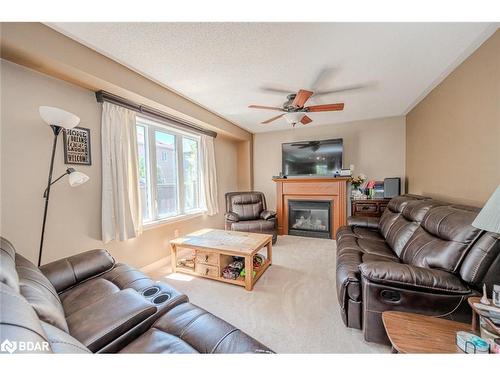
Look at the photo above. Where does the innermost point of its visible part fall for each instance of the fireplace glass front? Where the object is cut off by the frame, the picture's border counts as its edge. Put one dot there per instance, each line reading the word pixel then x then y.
pixel 309 218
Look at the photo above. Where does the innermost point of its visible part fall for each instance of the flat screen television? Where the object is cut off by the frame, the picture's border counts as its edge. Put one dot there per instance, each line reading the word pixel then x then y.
pixel 312 158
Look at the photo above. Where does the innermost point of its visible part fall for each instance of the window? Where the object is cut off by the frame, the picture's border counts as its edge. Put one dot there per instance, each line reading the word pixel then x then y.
pixel 169 173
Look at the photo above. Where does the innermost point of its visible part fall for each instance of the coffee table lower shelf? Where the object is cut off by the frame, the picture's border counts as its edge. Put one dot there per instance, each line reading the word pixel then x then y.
pixel 239 281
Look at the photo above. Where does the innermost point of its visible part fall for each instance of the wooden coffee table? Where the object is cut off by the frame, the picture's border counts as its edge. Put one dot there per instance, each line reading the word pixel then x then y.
pixel 415 333
pixel 214 250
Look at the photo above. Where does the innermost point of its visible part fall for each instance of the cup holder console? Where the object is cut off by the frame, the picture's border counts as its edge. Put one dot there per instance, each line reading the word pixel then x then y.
pixel 151 291
pixel 156 295
pixel 161 298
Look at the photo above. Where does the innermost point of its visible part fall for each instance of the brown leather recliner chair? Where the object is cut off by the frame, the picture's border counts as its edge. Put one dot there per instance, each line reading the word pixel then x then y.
pixel 421 256
pixel 247 212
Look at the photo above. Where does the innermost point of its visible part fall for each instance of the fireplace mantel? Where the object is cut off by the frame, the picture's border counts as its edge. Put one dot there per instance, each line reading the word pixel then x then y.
pixel 332 189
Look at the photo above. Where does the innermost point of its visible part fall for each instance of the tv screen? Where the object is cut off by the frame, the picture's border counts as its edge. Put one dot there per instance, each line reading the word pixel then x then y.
pixel 312 158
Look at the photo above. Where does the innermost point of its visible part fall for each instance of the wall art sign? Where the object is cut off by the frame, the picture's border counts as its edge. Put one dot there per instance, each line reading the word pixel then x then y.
pixel 77 146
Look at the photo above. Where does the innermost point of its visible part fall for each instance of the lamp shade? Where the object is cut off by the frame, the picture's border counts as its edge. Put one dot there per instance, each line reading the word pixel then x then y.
pixel 489 217
pixel 58 117
pixel 77 178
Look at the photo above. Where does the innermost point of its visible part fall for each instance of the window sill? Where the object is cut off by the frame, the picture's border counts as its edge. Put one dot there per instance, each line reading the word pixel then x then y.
pixel 173 219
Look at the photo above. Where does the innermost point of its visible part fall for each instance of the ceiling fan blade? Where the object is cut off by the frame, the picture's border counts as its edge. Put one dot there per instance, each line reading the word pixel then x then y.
pixel 266 107
pixel 326 107
pixel 340 89
pixel 278 90
pixel 272 119
pixel 301 98
pixel 305 120
pixel 324 76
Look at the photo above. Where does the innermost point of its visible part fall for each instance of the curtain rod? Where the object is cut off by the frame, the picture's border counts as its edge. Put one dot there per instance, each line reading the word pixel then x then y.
pixel 104 96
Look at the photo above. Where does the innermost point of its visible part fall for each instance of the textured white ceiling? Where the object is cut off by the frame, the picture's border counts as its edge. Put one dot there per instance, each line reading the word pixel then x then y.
pixel 223 66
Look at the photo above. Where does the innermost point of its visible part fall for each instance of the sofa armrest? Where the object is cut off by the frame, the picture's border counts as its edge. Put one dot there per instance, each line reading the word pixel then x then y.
pixel 231 216
pixel 67 272
pixel 411 277
pixel 266 215
pixel 366 222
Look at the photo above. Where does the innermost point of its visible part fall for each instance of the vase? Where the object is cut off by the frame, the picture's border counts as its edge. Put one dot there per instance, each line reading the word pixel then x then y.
pixel 356 191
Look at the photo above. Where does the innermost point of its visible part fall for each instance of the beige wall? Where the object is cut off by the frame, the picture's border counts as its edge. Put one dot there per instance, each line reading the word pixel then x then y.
pixel 453 135
pixel 375 147
pixel 244 165
pixel 74 214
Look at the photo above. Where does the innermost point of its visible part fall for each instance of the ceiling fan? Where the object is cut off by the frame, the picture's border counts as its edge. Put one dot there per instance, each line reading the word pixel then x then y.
pixel 295 110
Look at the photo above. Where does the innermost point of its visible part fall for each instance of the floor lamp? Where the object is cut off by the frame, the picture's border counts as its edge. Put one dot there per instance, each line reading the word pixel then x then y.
pixel 58 120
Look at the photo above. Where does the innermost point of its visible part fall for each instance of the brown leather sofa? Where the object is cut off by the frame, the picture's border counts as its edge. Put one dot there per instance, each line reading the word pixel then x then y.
pixel 247 212
pixel 421 256
pixel 88 303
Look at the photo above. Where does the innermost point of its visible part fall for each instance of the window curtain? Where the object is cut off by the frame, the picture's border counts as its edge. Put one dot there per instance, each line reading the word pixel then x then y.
pixel 121 210
pixel 209 175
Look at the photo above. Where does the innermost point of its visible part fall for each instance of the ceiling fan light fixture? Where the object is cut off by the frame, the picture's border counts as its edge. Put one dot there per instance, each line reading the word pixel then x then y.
pixel 294 118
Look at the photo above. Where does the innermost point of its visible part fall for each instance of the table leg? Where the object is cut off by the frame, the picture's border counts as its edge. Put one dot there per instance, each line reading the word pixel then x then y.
pixel 475 319
pixel 173 257
pixel 248 272
pixel 270 252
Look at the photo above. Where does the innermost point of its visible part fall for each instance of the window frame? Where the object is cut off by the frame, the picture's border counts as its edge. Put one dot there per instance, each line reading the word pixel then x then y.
pixel 150 127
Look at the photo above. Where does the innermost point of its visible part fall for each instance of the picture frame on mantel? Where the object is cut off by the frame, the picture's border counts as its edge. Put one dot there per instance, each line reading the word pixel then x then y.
pixel 77 149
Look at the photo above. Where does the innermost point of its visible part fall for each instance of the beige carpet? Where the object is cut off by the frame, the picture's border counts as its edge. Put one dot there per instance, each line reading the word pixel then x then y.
pixel 293 307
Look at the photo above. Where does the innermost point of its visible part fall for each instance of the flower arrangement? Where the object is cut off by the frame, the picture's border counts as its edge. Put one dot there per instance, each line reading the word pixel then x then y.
pixel 357 181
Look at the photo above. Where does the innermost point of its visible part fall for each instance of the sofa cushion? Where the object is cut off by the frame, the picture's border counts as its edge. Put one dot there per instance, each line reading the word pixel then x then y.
pixel 158 341
pixel 359 232
pixel 62 342
pixel 200 330
pixel 19 321
pixel 40 293
pixel 364 246
pixel 375 247
pixel 407 223
pixel 66 272
pixel 442 238
pixel 247 206
pixel 451 223
pixel 393 210
pixel 86 294
pixel 103 321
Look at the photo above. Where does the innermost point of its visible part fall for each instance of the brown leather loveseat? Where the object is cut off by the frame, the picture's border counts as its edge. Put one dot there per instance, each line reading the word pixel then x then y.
pixel 421 256
pixel 88 303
